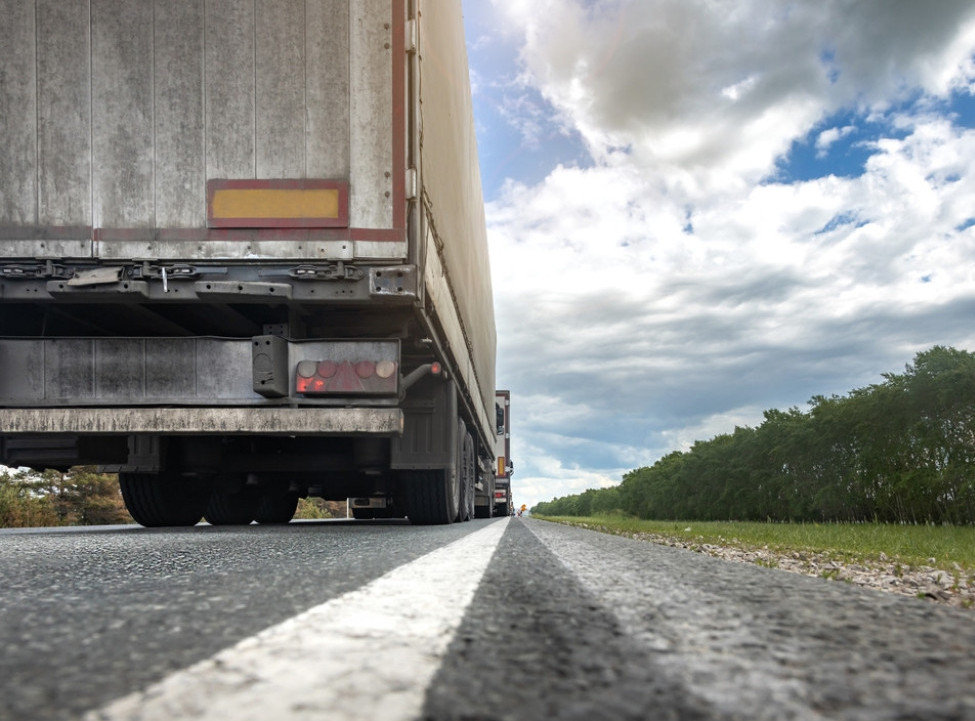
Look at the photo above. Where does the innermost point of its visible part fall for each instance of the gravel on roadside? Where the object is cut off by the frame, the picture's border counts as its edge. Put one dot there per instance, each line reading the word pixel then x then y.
pixel 951 587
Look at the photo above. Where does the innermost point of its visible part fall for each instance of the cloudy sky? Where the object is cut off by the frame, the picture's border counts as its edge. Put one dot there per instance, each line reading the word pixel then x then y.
pixel 701 209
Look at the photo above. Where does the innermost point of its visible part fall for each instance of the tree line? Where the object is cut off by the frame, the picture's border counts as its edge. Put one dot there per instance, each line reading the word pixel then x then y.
pixel 900 451
pixel 80 497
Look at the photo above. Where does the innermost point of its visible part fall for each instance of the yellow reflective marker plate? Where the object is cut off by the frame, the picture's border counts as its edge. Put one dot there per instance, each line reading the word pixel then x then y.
pixel 277 204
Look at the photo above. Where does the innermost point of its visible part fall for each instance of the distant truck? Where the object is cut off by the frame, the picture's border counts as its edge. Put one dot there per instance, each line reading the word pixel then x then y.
pixel 493 497
pixel 243 255
pixel 503 503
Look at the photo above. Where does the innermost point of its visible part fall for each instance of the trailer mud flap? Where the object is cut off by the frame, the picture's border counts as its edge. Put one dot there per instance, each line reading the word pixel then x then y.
pixel 429 439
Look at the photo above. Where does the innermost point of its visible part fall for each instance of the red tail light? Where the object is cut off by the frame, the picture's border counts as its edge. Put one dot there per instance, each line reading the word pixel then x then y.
pixel 364 377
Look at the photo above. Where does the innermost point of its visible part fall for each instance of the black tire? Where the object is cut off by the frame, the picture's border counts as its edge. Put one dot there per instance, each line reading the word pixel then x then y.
pixel 364 514
pixel 238 508
pixel 155 500
pixel 431 497
pixel 466 473
pixel 276 508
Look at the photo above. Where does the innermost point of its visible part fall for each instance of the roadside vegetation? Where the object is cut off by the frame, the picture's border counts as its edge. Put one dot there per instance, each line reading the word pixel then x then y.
pixel 80 497
pixel 83 497
pixel 911 545
pixel 900 452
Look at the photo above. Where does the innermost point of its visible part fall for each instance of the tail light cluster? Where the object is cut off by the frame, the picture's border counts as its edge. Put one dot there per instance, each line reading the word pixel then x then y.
pixel 360 377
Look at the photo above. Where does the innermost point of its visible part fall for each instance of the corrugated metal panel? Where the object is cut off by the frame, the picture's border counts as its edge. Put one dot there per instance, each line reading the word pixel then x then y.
pixel 451 180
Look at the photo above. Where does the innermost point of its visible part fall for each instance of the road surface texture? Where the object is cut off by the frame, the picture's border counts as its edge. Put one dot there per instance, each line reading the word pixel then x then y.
pixel 494 619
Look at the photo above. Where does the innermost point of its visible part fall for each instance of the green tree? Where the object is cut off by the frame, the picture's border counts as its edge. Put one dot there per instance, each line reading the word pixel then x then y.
pixel 899 451
pixel 52 498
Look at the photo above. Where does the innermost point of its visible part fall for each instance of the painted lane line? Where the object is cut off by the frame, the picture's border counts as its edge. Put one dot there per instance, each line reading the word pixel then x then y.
pixel 370 653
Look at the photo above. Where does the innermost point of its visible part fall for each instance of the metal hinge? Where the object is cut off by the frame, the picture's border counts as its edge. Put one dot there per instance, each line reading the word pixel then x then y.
pixel 337 271
pixel 28 271
pixel 411 184
pixel 411 36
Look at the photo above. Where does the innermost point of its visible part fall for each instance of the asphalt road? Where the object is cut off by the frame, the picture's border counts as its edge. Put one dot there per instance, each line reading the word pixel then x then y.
pixel 500 619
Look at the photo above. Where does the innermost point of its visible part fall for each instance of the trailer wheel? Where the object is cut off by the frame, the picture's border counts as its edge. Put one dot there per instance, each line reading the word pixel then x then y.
pixel 164 499
pixel 237 508
pixel 465 472
pixel 276 508
pixel 431 497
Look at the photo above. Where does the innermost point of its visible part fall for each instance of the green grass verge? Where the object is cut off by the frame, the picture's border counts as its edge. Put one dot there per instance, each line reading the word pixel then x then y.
pixel 911 545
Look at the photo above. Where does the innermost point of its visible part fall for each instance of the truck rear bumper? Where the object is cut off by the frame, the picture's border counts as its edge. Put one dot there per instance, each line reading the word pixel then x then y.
pixel 205 421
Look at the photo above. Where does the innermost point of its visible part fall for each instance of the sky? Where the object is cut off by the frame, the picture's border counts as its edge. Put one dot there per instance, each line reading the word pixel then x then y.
pixel 698 210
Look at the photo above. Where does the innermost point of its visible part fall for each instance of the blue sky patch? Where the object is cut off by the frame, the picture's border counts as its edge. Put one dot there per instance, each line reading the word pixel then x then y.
pixel 844 155
pixel 506 151
pixel 961 106
pixel 838 221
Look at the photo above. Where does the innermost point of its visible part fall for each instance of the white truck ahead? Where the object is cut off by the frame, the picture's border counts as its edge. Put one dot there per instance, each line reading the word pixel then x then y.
pixel 504 468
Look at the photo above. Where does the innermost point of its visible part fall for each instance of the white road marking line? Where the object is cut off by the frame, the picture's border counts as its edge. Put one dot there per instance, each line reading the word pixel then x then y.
pixel 370 653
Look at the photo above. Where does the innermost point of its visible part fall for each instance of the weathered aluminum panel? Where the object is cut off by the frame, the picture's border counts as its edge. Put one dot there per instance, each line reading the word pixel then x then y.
pixel 371 71
pixel 141 371
pixel 180 131
pixel 90 371
pixel 117 112
pixel 205 421
pixel 18 115
pixel 384 250
pixel 327 122
pixel 44 249
pixel 253 249
pixel 122 114
pixel 281 103
pixel 205 249
pixel 64 118
pixel 230 98
pixel 450 178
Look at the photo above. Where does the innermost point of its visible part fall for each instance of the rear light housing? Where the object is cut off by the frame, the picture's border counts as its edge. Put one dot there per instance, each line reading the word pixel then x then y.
pixel 348 368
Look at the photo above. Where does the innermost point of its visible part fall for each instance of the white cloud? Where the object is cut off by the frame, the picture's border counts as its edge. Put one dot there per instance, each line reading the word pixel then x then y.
pixel 673 289
pixel 721 89
pixel 829 136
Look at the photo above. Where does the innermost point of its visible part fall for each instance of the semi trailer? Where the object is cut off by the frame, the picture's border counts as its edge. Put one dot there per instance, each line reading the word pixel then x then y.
pixel 243 255
pixel 503 504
